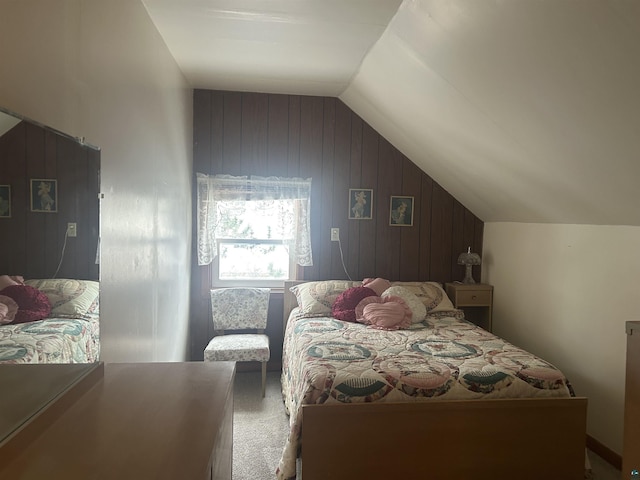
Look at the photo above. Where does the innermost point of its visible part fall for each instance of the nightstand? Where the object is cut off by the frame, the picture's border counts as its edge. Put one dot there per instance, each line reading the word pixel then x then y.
pixel 475 299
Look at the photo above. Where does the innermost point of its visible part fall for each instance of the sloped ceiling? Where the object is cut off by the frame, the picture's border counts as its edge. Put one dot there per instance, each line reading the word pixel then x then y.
pixel 524 110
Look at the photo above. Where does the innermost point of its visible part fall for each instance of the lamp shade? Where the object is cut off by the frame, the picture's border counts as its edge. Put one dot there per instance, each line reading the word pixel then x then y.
pixel 469 259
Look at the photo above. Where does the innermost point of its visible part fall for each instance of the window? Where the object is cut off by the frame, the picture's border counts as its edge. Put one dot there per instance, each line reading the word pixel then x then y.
pixel 253 230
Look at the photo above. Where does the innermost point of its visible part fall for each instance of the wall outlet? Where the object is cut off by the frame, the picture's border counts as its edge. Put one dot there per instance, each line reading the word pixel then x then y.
pixel 72 230
pixel 335 234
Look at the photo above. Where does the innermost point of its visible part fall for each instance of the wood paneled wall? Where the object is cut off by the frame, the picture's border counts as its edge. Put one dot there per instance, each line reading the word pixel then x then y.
pixel 320 137
pixel 32 242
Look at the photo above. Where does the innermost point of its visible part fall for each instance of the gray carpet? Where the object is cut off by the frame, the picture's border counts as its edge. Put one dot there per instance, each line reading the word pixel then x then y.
pixel 260 427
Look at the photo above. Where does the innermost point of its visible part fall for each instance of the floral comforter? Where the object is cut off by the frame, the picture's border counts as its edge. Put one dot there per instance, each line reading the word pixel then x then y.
pixel 444 357
pixel 52 340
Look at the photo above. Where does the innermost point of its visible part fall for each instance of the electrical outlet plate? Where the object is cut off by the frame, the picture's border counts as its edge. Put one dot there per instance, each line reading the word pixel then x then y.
pixel 72 230
pixel 335 234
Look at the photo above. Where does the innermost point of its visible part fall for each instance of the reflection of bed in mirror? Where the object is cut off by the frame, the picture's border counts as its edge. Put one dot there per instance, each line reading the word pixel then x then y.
pixel 57 321
pixel 49 180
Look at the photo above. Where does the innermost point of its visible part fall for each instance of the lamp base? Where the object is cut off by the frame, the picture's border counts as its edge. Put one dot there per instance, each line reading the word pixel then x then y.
pixel 467 275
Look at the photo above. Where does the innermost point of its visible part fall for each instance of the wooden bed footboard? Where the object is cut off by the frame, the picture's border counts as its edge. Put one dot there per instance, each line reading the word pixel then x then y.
pixel 446 440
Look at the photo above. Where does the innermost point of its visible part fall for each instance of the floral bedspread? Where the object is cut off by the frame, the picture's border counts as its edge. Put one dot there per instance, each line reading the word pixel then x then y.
pixel 52 340
pixel 444 357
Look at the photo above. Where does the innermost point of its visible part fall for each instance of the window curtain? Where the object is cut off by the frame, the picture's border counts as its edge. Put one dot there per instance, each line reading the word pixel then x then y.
pixel 217 188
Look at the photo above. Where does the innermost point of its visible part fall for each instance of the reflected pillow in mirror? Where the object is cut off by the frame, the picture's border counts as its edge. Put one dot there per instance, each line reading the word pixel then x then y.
pixel 8 309
pixel 32 303
pixel 69 298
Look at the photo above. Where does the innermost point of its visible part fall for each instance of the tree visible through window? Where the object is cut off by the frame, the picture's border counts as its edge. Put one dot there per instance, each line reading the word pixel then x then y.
pixel 254 230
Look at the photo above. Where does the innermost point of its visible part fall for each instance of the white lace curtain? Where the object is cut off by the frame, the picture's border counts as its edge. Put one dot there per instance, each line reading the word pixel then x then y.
pixel 295 232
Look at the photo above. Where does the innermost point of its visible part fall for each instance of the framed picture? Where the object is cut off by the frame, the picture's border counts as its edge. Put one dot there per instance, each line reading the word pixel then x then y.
pixel 44 195
pixel 401 213
pixel 360 204
pixel 5 201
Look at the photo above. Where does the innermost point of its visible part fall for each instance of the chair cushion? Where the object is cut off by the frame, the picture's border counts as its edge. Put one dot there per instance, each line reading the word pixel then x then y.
pixel 247 347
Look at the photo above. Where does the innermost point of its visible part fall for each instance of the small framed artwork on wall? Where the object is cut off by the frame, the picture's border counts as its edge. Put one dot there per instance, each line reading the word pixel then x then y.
pixel 401 214
pixel 5 201
pixel 360 204
pixel 44 195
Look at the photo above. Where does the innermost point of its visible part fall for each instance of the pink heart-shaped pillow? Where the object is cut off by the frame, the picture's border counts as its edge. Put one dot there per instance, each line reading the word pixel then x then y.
pixel 389 313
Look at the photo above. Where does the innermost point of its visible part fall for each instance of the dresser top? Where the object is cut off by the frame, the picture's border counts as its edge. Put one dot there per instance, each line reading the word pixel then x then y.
pixel 141 420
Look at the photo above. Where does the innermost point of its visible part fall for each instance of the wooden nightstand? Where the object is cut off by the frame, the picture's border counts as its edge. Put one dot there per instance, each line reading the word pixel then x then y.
pixel 475 299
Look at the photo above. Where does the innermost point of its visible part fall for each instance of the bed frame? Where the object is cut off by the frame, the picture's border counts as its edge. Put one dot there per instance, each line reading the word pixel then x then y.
pixel 444 440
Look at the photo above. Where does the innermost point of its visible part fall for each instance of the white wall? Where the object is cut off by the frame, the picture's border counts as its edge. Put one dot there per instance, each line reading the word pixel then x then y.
pixel 564 292
pixel 100 70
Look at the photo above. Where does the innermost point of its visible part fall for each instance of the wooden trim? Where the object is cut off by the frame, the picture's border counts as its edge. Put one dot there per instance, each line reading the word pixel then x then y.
pixel 604 452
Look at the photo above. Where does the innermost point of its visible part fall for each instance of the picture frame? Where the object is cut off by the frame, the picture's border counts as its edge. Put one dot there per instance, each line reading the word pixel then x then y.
pixel 44 195
pixel 360 204
pixel 401 211
pixel 5 201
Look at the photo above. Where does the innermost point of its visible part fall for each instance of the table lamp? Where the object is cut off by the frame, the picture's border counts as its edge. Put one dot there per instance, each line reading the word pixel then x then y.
pixel 468 259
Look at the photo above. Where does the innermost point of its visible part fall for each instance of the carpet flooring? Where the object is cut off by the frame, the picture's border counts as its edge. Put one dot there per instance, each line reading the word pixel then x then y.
pixel 261 425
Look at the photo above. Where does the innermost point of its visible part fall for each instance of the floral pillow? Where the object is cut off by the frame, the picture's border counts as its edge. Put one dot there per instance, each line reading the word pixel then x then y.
pixel 315 299
pixel 69 298
pixel 32 303
pixel 431 294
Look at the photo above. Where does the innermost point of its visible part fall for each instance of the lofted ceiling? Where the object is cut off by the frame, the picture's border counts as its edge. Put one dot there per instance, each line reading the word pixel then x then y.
pixel 524 110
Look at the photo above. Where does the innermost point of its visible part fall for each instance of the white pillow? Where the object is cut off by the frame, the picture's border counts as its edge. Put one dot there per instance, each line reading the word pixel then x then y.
pixel 431 294
pixel 418 310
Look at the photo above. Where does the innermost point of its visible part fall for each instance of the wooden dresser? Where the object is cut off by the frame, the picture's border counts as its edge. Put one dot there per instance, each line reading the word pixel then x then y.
pixel 160 421
pixel 631 444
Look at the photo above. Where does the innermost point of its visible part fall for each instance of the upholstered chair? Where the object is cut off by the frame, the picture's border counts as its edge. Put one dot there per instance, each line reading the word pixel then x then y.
pixel 239 318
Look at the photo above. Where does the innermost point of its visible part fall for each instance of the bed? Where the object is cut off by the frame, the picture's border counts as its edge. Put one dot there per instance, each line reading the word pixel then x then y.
pixel 440 398
pixel 70 333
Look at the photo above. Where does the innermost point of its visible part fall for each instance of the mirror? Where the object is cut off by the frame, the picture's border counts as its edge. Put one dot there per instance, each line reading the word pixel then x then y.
pixel 29 389
pixel 48 181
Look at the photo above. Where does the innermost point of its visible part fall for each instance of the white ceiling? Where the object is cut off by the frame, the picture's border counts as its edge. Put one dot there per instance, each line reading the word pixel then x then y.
pixel 524 110
pixel 309 47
